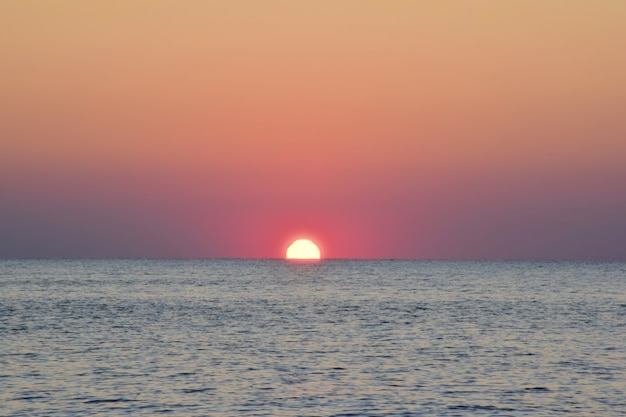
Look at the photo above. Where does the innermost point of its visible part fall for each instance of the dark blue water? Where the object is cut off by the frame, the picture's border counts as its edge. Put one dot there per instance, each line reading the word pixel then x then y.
pixel 334 338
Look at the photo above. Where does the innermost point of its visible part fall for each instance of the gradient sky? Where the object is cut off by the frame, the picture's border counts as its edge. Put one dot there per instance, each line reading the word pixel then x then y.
pixel 380 129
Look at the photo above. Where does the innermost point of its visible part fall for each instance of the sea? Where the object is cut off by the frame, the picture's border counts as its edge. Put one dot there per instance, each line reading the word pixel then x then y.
pixel 327 338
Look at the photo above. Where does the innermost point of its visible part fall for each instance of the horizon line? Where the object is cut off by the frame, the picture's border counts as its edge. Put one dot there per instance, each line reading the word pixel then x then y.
pixel 61 258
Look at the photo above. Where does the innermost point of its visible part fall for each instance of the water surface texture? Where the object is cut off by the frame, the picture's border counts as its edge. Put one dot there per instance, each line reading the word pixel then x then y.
pixel 332 338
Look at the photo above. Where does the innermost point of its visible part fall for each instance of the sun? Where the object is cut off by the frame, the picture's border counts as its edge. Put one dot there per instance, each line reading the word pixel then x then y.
pixel 303 249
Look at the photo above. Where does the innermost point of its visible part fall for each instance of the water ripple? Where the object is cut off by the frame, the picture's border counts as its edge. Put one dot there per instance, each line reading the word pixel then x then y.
pixel 337 338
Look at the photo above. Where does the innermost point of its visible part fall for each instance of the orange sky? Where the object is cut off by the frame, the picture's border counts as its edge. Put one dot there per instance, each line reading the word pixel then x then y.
pixel 379 128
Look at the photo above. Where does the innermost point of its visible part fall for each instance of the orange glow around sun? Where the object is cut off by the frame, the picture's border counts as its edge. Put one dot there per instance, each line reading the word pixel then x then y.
pixel 303 249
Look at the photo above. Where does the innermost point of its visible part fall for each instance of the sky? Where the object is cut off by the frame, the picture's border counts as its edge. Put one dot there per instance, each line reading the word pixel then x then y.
pixel 379 129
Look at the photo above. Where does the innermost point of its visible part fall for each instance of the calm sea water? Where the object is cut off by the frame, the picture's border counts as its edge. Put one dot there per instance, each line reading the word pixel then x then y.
pixel 334 338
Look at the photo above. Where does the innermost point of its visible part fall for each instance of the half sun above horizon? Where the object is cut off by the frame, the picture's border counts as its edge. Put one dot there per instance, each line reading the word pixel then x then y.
pixel 303 249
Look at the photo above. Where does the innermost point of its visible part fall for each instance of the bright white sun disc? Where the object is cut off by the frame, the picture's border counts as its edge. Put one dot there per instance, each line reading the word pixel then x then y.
pixel 303 249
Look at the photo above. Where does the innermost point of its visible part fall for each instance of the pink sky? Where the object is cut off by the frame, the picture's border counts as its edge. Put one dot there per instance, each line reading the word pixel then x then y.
pixel 380 129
